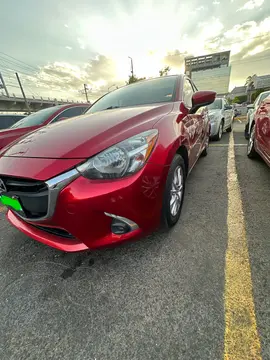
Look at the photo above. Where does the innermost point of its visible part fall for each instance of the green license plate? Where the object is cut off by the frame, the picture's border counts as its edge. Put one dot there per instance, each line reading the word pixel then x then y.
pixel 10 202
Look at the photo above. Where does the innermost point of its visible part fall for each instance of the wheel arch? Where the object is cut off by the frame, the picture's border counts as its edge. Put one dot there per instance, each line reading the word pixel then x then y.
pixel 182 150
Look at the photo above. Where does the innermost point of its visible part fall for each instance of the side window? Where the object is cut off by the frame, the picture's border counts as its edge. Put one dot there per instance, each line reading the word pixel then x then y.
pixel 68 113
pixel 188 92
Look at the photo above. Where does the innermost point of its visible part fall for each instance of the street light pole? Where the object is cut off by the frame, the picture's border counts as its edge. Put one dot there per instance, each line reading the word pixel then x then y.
pixel 23 94
pixel 85 91
pixel 131 61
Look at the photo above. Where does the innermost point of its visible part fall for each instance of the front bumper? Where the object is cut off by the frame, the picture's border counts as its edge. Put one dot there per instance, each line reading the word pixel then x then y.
pixel 82 207
pixel 214 128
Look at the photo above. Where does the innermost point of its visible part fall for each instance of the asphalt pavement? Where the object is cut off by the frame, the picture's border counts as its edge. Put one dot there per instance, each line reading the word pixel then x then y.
pixel 161 297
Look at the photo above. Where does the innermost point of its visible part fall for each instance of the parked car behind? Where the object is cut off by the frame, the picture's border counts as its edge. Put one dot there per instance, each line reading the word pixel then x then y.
pixel 121 172
pixel 39 119
pixel 259 140
pixel 7 120
pixel 252 108
pixel 221 117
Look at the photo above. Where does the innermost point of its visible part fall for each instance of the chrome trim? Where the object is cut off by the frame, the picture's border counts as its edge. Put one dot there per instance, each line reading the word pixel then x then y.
pixel 55 185
pixel 130 223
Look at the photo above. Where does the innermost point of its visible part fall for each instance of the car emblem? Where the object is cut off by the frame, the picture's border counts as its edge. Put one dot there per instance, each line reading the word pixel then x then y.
pixel 2 187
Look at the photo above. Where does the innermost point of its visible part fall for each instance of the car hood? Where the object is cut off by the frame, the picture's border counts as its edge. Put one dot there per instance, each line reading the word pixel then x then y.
pixel 87 135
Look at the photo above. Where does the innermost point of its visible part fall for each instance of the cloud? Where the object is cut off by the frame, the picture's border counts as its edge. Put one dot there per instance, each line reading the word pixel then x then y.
pixel 251 4
pixel 200 8
pixel 242 39
pixel 175 59
pixel 216 2
pixel 69 47
pixel 59 78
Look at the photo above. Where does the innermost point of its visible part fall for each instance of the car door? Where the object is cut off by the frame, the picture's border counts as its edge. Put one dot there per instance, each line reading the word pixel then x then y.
pixel 263 130
pixel 70 112
pixel 194 123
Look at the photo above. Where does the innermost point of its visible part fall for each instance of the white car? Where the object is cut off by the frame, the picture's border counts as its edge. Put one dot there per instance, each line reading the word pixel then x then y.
pixel 252 108
pixel 221 116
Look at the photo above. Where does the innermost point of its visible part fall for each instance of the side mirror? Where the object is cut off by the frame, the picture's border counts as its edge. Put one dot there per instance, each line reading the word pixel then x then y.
pixel 250 106
pixel 202 98
pixel 63 118
pixel 227 107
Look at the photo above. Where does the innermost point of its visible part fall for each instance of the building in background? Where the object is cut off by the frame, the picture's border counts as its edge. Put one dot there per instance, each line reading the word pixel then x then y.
pixel 261 82
pixel 237 91
pixel 210 72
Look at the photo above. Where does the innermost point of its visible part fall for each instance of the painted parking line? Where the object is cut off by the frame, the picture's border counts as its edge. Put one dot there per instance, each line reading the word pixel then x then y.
pixel 226 145
pixel 241 340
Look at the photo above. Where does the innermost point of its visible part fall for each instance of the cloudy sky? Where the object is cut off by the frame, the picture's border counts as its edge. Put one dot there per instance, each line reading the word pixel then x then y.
pixel 65 43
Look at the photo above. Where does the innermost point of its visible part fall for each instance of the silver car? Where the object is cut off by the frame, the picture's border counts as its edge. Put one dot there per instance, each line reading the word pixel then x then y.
pixel 221 116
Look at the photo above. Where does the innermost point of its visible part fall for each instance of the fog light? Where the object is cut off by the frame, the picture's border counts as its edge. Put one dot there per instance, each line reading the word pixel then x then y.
pixel 118 227
pixel 121 225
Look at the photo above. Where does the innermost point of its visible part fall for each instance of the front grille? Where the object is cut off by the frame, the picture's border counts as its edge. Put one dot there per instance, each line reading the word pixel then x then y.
pixel 55 231
pixel 33 195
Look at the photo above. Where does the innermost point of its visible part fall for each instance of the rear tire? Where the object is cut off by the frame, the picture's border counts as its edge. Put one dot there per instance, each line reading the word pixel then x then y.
pixel 205 150
pixel 246 131
pixel 229 129
pixel 174 192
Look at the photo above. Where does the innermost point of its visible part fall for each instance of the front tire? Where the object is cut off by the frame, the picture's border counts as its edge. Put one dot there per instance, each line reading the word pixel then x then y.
pixel 251 152
pixel 174 192
pixel 220 132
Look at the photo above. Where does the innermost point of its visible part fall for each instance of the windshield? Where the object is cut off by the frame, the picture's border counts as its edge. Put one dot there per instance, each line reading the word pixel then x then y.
pixel 216 105
pixel 145 92
pixel 264 96
pixel 35 119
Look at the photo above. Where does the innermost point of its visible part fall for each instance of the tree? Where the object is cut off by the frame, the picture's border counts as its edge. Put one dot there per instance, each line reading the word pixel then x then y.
pixel 250 86
pixel 257 93
pixel 240 99
pixel 133 78
pixel 164 71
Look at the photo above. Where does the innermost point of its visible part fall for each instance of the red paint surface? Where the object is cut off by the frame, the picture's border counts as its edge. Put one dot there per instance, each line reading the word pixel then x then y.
pixel 81 204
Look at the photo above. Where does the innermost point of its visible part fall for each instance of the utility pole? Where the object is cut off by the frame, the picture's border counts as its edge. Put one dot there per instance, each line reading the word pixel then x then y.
pixel 131 62
pixel 3 85
pixel 23 94
pixel 85 91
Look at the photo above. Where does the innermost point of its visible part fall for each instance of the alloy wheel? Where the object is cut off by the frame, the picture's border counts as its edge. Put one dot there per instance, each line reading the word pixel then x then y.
pixel 176 190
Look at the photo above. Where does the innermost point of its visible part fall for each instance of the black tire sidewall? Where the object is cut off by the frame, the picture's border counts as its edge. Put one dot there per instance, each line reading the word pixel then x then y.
pixel 168 219
pixel 252 154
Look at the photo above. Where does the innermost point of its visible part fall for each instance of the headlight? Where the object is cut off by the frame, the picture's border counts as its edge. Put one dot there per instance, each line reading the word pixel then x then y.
pixel 213 118
pixel 122 159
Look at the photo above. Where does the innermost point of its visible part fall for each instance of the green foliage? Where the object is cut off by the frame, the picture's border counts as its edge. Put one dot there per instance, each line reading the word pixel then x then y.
pixel 165 71
pixel 133 78
pixel 240 99
pixel 256 93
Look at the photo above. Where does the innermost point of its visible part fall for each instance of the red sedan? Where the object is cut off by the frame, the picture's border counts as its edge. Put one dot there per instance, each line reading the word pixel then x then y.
pixel 259 140
pixel 112 174
pixel 40 118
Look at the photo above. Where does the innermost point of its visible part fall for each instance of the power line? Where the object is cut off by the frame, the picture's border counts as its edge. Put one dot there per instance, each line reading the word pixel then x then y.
pixel 11 57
